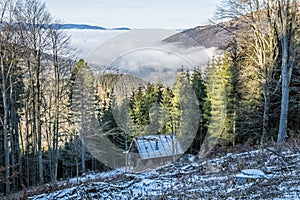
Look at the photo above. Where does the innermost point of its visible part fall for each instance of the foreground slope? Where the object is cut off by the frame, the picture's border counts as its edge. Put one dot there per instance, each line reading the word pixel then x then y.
pixel 206 179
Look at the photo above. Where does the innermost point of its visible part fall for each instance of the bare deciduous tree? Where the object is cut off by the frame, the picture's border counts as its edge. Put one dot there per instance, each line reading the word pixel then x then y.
pixel 287 24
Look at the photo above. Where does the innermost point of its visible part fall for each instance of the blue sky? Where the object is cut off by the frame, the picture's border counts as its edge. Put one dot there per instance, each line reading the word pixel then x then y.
pixel 166 14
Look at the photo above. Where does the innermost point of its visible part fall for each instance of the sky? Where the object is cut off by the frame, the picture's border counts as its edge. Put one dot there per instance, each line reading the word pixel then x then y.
pixel 165 14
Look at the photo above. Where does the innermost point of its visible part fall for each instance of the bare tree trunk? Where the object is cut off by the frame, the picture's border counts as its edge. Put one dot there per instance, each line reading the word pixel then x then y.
pixel 38 121
pixel 286 27
pixel 266 110
pixel 57 108
pixel 284 75
pixel 77 168
pixel 282 132
pixel 82 137
pixel 5 128
pixel 4 6
pixel 26 164
pixel 20 154
pixel 14 124
pixel 12 137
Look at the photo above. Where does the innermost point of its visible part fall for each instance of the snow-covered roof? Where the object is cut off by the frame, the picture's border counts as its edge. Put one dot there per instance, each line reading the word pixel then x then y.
pixel 156 146
pixel 251 173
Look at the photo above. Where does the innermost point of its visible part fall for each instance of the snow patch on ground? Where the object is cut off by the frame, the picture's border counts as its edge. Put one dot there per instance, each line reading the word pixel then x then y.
pixel 206 179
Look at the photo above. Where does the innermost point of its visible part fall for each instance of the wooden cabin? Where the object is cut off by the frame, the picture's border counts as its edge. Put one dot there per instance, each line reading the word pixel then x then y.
pixel 153 150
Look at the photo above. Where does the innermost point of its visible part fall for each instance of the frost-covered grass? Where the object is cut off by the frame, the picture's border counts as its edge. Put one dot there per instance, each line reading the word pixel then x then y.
pixel 204 179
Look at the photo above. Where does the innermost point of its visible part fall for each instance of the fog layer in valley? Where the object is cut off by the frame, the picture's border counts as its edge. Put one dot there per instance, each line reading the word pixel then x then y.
pixel 139 52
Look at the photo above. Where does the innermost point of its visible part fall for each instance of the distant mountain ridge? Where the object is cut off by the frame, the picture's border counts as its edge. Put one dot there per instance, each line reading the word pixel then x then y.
pixel 85 27
pixel 215 35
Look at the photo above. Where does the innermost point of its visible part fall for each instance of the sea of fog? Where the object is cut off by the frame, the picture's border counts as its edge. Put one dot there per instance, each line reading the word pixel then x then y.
pixel 141 53
pixel 85 41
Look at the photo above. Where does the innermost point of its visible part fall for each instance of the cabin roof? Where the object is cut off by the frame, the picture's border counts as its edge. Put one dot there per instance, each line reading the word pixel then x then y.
pixel 156 146
pixel 251 173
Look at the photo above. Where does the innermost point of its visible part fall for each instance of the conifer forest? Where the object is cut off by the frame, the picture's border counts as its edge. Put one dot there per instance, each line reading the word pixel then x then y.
pixel 51 99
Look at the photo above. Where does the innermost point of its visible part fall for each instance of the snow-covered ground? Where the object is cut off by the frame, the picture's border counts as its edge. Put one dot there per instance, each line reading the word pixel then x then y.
pixel 203 179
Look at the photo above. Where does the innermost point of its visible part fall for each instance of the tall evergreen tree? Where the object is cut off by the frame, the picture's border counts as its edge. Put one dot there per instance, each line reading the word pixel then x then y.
pixel 138 111
pixel 83 103
pixel 216 100
pixel 229 77
pixel 199 87
pixel 166 111
pixel 152 102
pixel 185 110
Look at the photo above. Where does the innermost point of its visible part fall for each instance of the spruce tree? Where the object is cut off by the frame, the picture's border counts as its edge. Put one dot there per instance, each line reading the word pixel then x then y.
pixel 185 113
pixel 83 103
pixel 166 107
pixel 199 88
pixel 228 76
pixel 216 101
pixel 137 113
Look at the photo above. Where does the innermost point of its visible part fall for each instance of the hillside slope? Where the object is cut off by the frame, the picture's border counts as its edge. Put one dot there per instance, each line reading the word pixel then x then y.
pixel 207 36
pixel 207 179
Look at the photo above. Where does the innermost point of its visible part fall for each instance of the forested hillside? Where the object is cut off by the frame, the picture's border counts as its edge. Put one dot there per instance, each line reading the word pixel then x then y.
pixel 260 65
pixel 54 107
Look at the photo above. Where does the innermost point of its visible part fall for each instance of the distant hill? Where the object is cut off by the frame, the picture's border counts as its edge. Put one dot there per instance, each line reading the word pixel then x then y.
pixel 121 29
pixel 206 36
pixel 85 27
